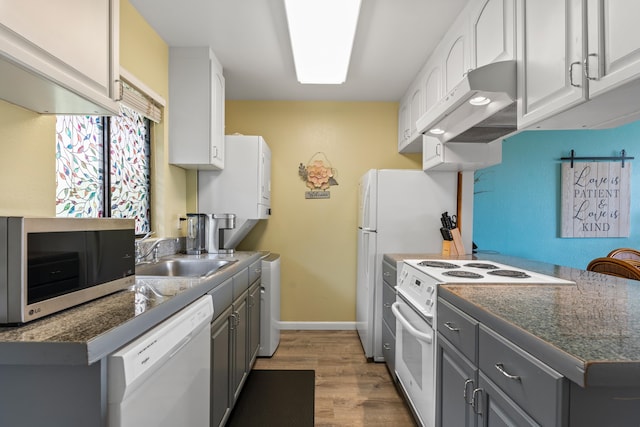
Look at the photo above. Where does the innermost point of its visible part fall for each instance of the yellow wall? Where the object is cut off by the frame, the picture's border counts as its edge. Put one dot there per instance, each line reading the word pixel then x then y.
pixel 317 238
pixel 146 55
pixel 27 164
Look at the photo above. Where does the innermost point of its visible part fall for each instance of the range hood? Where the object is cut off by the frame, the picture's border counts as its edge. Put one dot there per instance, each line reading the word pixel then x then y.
pixel 481 108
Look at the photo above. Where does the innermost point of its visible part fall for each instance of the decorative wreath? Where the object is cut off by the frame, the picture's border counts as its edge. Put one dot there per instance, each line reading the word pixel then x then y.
pixel 318 174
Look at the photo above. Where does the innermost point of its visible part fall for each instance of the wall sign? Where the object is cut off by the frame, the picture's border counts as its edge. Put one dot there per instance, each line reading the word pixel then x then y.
pixel 595 199
pixel 318 175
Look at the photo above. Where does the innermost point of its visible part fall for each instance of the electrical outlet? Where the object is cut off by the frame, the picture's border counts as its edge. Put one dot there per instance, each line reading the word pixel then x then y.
pixel 178 223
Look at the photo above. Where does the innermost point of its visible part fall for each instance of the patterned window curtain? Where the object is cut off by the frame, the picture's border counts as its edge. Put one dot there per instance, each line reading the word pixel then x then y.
pixel 79 166
pixel 129 168
pixel 80 177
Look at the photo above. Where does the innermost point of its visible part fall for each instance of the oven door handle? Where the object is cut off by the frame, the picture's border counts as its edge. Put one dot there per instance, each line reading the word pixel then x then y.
pixel 416 333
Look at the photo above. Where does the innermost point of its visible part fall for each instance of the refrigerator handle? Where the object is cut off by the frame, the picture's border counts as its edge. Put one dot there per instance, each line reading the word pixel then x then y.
pixel 368 229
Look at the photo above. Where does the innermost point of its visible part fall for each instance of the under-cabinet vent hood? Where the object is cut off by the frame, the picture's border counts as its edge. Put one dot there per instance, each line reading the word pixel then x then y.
pixel 481 108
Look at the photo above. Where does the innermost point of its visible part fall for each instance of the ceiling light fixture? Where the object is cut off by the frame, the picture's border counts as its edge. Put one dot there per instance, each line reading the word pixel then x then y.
pixel 436 131
pixel 322 33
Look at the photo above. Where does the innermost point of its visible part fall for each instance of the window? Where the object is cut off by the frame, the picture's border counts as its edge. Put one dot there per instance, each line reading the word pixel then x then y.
pixel 86 147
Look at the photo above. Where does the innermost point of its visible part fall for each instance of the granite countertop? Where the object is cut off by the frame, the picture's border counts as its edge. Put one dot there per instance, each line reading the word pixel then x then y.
pixel 88 332
pixel 589 332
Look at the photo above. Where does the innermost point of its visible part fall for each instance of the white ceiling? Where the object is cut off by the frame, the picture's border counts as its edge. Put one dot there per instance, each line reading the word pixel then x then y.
pixel 250 39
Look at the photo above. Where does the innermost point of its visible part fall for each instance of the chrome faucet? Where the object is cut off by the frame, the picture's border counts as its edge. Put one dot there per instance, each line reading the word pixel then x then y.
pixel 140 257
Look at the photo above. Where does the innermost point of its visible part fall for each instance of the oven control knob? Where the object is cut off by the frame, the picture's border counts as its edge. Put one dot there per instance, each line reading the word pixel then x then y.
pixel 429 303
pixel 430 289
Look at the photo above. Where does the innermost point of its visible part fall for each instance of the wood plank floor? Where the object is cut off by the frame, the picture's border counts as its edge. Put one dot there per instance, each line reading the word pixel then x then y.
pixel 349 390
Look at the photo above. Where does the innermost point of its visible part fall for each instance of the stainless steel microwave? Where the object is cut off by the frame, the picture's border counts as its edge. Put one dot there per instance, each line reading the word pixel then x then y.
pixel 50 264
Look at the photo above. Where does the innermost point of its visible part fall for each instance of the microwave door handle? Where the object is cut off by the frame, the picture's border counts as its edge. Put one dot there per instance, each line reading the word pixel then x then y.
pixel 405 323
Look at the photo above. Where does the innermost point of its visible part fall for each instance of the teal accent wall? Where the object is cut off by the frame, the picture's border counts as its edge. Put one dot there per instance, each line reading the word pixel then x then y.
pixel 517 203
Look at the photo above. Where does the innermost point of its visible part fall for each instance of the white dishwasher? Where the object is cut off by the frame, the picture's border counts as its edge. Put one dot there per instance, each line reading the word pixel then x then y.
pixel 163 377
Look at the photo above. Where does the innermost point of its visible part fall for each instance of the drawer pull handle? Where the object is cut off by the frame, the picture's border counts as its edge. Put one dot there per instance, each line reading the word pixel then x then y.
pixel 466 387
pixel 386 305
pixel 450 327
pixel 386 274
pixel 387 346
pixel 500 368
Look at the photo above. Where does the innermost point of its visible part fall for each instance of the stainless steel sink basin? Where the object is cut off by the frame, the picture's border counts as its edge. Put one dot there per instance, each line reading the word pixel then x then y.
pixel 183 267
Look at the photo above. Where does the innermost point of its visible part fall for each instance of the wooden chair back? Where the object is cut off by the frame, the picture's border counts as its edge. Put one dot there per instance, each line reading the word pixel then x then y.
pixel 625 253
pixel 615 267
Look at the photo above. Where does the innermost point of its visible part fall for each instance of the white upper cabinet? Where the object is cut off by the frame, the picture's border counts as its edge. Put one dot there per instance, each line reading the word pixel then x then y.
pixel 550 54
pixel 60 56
pixel 613 56
pixel 417 108
pixel 578 68
pixel 455 49
pixel 493 31
pixel 196 114
pixel 403 123
pixel 483 32
pixel 459 156
pixel 432 86
pixel 411 107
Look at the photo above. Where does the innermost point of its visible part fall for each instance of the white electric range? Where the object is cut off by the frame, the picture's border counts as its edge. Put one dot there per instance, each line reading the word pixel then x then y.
pixel 415 312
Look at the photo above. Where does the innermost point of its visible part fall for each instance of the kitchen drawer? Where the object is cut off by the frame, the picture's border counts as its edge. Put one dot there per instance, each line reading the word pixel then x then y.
pixel 461 330
pixel 222 297
pixel 389 348
pixel 389 273
pixel 255 271
pixel 240 283
pixel 537 388
pixel 388 298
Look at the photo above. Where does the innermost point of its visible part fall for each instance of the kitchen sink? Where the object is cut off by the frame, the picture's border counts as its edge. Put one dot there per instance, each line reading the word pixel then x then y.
pixel 183 267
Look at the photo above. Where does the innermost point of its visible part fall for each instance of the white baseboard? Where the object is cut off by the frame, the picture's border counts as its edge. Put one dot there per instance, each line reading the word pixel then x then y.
pixel 318 326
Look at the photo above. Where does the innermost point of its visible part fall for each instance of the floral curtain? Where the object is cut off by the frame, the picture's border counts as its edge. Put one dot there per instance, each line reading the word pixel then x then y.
pixel 129 169
pixel 80 177
pixel 79 166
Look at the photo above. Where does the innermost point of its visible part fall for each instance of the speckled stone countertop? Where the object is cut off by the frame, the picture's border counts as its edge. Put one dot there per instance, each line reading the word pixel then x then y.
pixel 589 332
pixel 89 332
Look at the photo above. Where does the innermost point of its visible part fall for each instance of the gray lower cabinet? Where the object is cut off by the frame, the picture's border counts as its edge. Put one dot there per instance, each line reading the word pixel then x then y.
pixel 254 321
pixel 456 380
pixel 389 276
pixel 239 329
pixel 220 372
pixel 235 340
pixel 457 370
pixel 485 380
pixel 498 409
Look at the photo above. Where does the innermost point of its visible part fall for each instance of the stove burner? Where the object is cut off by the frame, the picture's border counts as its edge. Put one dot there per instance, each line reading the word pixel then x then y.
pixel 464 274
pixel 483 265
pixel 510 273
pixel 437 264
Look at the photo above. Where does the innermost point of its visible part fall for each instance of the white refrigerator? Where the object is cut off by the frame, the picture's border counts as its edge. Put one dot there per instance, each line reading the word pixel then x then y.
pixel 399 212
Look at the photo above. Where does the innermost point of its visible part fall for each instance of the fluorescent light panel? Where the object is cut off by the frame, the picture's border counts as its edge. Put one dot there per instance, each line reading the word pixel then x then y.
pixel 322 33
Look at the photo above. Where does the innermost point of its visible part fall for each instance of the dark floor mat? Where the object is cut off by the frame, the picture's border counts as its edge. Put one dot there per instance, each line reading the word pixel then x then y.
pixel 275 398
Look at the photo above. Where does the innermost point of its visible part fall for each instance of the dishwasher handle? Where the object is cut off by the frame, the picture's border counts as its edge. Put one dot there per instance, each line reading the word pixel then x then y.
pixel 405 323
